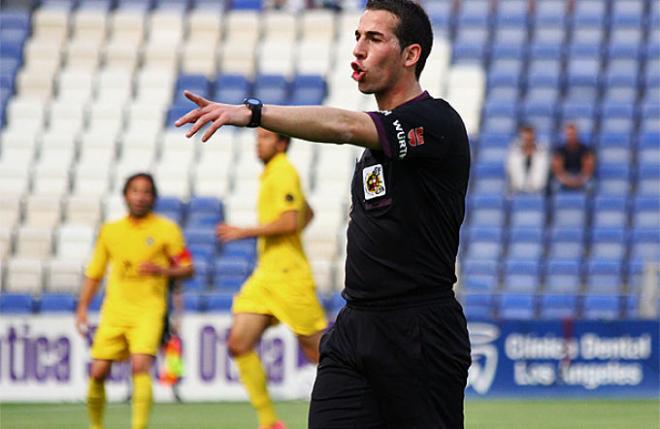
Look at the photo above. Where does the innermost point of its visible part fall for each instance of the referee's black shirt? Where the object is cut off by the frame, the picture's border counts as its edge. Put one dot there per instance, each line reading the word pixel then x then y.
pixel 408 203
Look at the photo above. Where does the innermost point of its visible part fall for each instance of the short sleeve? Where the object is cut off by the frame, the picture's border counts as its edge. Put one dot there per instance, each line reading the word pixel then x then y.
pixel 287 191
pixel 177 251
pixel 97 265
pixel 421 129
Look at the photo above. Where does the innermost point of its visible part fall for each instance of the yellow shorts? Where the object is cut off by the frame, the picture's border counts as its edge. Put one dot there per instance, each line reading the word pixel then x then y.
pixel 293 303
pixel 117 342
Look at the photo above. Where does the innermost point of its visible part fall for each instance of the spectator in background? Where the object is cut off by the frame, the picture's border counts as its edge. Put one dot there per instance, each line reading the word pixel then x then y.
pixel 573 163
pixel 527 164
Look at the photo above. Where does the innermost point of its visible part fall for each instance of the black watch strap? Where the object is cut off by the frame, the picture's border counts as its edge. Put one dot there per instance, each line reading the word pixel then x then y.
pixel 255 105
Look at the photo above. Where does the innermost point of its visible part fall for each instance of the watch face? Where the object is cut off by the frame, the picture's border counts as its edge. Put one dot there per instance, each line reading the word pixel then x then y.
pixel 253 101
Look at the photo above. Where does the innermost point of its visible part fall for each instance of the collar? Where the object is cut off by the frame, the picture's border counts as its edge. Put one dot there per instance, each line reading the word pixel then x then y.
pixel 139 223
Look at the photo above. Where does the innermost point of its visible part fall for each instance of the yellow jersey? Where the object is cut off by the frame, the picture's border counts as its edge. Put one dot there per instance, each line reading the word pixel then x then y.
pixel 281 256
pixel 124 245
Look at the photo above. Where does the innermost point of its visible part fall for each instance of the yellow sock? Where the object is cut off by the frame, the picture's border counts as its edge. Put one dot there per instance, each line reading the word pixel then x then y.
pixel 253 377
pixel 95 403
pixel 142 399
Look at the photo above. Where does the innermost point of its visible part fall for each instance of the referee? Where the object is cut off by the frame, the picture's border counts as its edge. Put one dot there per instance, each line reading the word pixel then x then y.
pixel 398 354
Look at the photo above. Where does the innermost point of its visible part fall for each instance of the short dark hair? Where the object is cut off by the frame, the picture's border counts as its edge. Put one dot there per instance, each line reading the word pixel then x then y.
pixel 147 176
pixel 414 26
pixel 526 128
pixel 285 138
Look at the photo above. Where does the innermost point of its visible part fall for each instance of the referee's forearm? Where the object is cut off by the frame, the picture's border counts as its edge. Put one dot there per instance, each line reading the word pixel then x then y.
pixel 321 124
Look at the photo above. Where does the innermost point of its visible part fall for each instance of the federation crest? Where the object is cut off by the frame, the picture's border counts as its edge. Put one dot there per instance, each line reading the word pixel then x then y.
pixel 373 181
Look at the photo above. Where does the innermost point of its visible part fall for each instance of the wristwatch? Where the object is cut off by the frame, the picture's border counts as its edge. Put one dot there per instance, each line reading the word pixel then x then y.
pixel 255 105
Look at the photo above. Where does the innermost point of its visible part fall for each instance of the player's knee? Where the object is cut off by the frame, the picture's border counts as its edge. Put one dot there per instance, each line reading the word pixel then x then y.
pixel 97 373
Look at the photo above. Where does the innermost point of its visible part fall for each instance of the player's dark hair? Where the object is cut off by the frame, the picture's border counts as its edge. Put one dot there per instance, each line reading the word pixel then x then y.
pixel 286 139
pixel 147 176
pixel 526 128
pixel 414 26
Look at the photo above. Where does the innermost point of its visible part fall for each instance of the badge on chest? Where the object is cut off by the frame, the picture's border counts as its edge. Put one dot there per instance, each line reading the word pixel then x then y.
pixel 373 181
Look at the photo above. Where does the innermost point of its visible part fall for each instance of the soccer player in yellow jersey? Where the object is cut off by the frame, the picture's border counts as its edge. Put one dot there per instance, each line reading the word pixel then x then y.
pixel 281 288
pixel 144 251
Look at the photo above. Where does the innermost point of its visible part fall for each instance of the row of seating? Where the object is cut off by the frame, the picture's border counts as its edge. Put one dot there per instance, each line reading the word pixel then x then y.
pixel 477 307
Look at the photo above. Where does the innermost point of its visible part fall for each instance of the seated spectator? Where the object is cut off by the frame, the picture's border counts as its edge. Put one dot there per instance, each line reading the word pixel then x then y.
pixel 527 164
pixel 573 163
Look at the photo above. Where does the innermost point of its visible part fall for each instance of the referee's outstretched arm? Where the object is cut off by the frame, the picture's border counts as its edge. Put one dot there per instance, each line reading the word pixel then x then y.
pixel 315 123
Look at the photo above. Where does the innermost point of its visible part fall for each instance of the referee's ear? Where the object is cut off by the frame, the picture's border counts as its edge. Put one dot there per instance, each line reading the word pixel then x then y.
pixel 411 55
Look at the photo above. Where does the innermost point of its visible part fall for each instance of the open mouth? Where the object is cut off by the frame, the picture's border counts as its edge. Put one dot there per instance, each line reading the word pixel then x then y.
pixel 358 72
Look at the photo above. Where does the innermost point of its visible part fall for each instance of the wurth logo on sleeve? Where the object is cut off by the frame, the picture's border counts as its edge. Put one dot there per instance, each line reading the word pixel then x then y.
pixel 416 136
pixel 401 138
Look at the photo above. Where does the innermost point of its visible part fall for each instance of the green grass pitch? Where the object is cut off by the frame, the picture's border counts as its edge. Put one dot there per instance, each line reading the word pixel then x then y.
pixel 479 414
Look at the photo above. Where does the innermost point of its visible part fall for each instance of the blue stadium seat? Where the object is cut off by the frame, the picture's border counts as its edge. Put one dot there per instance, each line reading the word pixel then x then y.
pixel 246 248
pixel 527 211
pixel 583 80
pixel 231 266
pixel 630 306
pixel 550 34
pixel 487 210
pixel 231 88
pixel 478 306
pixel 202 276
pixel 614 148
pixel 57 303
pixel 308 90
pixel 484 243
pixel 566 243
pixel 479 275
pixel 587 35
pixel 196 83
pixel 608 243
pixel 582 112
pixel 205 211
pixel 15 19
pixel 246 4
pixel 601 307
pixel 138 5
pixel 512 13
pixel 645 244
pixel 627 14
pixel 648 152
pixel 172 207
pixel 525 243
pixel 648 180
pixel 16 303
pixel 569 209
pixel 333 303
pixel 516 306
pixel 228 283
pixel 488 179
pixel 645 211
pixel 500 108
pixel 610 211
pixel 440 15
pixel 604 276
pixel 200 236
pixel 563 276
pixel 476 13
pixel 503 49
pixel 272 89
pixel 194 302
pixel 219 301
pixel 558 307
pixel 544 73
pixel 551 13
pixel 634 274
pixel 590 13
pixel 499 124
pixel 541 115
pixel 468 52
pixel 613 179
pixel 521 275
pixel 202 252
pixel 176 111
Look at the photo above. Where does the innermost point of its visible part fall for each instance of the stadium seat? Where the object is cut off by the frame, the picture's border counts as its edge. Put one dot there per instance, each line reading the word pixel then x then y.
pixel 220 302
pixel 648 180
pixel 605 307
pixel 200 235
pixel 484 243
pixel 34 242
pixel 613 179
pixel 231 88
pixel 171 207
pixel 521 275
pixel 569 209
pixel 488 179
pixel 205 211
pixel 604 276
pixel 608 243
pixel 645 244
pixel 64 275
pixel 479 275
pixel 194 302
pixel 525 243
pixel 246 248
pixel 308 90
pixel 614 148
pixel 558 307
pixel 563 276
pixel 610 211
pixel 74 240
pixel 487 210
pixel 527 211
pixel 201 277
pixel 478 306
pixel 56 303
pixel 516 306
pixel 272 89
pixel 16 303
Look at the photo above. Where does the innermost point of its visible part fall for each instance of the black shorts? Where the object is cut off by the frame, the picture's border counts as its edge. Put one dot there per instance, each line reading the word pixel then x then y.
pixel 399 368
